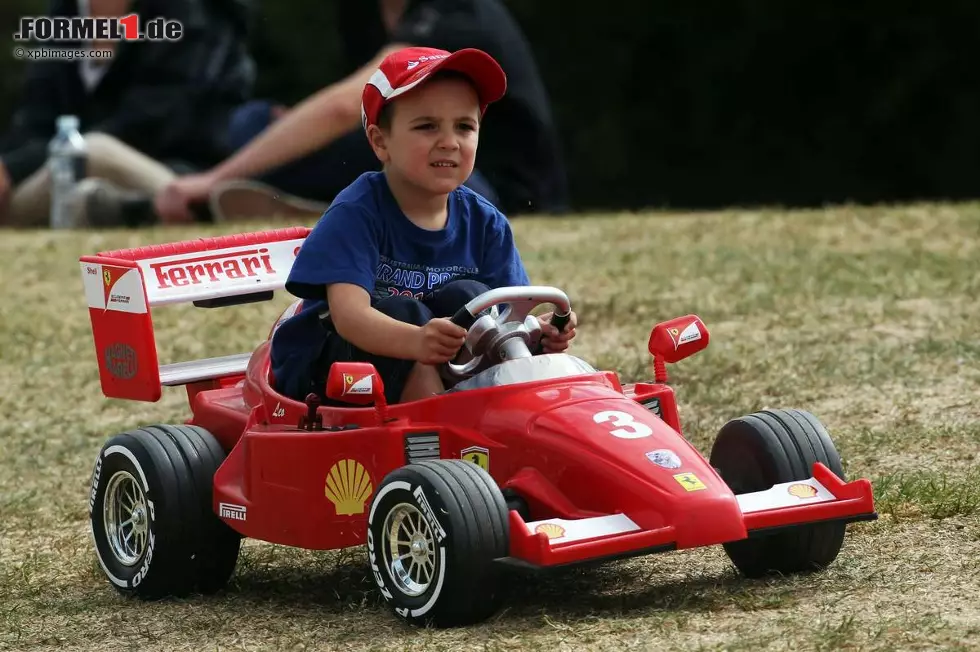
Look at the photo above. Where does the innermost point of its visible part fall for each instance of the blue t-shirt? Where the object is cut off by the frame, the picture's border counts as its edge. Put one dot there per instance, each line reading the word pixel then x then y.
pixel 365 239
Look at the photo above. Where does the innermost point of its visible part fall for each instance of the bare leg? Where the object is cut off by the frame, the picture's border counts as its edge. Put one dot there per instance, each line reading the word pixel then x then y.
pixel 422 382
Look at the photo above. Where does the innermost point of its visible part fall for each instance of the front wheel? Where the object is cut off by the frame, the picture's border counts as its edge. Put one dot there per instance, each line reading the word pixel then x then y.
pixel 759 450
pixel 434 531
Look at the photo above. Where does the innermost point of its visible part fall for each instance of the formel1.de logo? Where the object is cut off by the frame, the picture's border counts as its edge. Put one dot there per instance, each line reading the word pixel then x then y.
pixel 68 29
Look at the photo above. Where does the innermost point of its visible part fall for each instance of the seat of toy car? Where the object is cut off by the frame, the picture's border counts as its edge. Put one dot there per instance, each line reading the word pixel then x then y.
pixel 524 370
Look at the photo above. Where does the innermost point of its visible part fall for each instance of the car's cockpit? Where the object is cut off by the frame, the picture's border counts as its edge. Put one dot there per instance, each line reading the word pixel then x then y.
pixel 523 370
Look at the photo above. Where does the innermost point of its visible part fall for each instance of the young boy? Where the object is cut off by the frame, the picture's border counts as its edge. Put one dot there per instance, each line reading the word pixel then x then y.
pixel 399 251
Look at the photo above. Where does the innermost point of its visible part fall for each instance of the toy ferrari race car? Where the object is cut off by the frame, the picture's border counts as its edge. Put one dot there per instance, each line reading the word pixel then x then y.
pixel 529 460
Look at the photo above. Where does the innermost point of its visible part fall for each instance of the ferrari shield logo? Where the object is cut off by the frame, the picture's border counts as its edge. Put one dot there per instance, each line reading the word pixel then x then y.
pixel 355 385
pixel 109 277
pixel 478 455
pixel 689 481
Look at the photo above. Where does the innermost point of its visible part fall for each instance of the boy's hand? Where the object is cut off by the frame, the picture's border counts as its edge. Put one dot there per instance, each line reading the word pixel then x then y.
pixel 439 341
pixel 551 340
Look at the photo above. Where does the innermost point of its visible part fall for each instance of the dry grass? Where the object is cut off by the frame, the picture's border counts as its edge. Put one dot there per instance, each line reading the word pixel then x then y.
pixel 865 316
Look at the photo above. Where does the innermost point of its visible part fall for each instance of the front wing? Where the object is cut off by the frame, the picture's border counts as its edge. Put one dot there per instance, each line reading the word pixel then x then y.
pixel 560 542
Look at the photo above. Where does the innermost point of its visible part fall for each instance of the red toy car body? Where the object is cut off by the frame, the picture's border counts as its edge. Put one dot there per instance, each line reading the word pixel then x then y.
pixel 563 463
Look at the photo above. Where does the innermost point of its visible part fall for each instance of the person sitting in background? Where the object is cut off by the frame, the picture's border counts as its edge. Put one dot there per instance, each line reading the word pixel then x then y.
pixel 150 111
pixel 317 148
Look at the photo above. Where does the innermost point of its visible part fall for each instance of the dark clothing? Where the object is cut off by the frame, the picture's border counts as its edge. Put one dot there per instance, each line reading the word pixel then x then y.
pixel 169 100
pixel 365 239
pixel 322 174
pixel 444 302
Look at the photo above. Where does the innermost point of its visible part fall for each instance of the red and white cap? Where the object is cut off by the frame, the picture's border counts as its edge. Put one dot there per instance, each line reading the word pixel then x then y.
pixel 405 69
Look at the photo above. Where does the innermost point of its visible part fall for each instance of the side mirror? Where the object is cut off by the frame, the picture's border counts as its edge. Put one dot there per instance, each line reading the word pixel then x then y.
pixel 357 383
pixel 674 340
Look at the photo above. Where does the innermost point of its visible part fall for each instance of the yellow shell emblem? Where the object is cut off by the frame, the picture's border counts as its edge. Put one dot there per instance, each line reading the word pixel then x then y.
pixel 802 491
pixel 348 486
pixel 551 530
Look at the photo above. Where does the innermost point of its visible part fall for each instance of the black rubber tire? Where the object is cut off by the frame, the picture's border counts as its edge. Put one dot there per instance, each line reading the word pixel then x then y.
pixel 765 448
pixel 470 510
pixel 218 544
pixel 189 549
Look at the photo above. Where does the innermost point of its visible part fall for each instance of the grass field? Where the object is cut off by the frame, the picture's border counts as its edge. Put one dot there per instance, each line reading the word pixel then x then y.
pixel 868 317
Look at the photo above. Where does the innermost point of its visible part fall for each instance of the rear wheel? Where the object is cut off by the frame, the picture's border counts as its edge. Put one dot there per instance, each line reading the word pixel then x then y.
pixel 154 530
pixel 759 450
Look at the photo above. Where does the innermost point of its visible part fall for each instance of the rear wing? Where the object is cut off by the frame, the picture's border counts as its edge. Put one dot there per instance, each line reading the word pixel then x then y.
pixel 122 287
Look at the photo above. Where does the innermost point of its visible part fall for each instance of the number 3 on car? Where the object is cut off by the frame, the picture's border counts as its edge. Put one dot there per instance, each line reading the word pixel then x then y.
pixel 627 428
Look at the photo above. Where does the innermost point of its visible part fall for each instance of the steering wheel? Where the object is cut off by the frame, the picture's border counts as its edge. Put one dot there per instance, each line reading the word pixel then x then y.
pixel 514 333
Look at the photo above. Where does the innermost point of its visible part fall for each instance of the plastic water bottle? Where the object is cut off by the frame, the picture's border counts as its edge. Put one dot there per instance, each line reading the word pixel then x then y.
pixel 67 155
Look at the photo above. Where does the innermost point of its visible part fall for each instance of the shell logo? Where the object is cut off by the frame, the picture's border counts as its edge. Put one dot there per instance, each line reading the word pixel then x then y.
pixel 348 487
pixel 802 491
pixel 550 530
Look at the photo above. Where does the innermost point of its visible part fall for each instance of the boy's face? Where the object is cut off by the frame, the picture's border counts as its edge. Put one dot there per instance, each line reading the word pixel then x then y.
pixel 432 139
